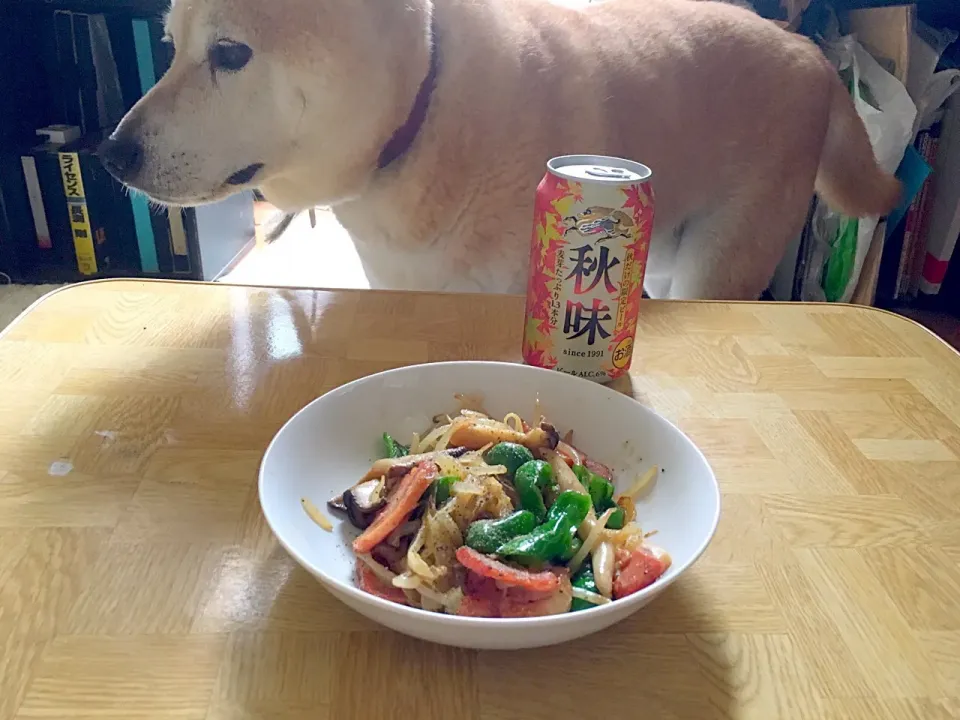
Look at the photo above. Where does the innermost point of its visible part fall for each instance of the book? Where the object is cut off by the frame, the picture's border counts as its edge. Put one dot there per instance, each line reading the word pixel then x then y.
pixel 944 217
pixel 15 220
pixel 47 252
pixel 68 75
pixel 87 77
pixel 919 215
pixel 26 101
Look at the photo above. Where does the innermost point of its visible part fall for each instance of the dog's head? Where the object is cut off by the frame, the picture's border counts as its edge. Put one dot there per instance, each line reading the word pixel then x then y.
pixel 295 97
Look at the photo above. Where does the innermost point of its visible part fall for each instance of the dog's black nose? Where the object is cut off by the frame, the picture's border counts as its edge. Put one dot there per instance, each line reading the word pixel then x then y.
pixel 121 156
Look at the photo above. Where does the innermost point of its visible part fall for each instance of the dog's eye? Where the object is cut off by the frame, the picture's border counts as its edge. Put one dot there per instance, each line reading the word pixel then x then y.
pixel 229 55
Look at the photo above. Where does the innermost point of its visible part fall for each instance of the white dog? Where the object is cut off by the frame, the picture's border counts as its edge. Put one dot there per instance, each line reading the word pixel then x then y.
pixel 426 125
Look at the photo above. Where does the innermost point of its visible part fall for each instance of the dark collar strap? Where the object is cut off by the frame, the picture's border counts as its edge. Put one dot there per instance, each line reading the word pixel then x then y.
pixel 405 135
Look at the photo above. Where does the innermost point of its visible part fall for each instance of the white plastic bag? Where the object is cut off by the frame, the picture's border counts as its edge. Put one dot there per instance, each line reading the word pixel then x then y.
pixel 840 244
pixel 928 88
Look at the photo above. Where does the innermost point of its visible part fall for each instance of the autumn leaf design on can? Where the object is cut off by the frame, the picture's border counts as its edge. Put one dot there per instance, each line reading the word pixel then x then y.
pixel 593 218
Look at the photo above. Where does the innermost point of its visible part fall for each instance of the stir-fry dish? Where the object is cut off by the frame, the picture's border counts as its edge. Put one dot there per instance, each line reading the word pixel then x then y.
pixel 490 518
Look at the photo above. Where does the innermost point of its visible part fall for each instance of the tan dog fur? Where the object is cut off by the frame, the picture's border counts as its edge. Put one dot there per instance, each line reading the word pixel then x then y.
pixel 737 119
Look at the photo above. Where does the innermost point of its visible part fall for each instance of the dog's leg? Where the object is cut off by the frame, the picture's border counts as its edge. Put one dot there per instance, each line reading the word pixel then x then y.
pixel 732 252
pixel 661 260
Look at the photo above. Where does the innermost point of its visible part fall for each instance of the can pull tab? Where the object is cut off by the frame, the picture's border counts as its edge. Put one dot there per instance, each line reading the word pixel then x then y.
pixel 606 172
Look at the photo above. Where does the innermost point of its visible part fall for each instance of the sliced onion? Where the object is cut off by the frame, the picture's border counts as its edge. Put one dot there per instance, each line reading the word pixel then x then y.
pixel 407 581
pixel 314 513
pixel 473 414
pixel 450 466
pixel 428 592
pixel 566 478
pixel 382 573
pixel 483 470
pixel 430 440
pixel 629 507
pixel 518 421
pixel 481 421
pixel 590 597
pixel 475 457
pixel 417 564
pixel 446 522
pixel 641 483
pixel 603 567
pixel 467 487
pixel 592 539
pixel 470 402
pixel 444 440
pixel 571 451
pixel 630 532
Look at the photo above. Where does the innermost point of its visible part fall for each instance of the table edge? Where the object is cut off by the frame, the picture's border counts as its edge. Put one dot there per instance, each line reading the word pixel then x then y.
pixel 910 322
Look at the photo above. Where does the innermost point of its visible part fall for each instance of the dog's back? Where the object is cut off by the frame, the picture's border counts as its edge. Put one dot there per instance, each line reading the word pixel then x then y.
pixel 728 110
pixel 737 118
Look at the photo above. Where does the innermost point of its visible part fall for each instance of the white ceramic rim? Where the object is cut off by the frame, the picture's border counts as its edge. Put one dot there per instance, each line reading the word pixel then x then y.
pixel 455 620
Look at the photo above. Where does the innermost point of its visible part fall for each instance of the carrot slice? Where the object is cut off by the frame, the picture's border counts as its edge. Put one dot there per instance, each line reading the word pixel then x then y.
pixel 403 501
pixel 368 581
pixel 479 563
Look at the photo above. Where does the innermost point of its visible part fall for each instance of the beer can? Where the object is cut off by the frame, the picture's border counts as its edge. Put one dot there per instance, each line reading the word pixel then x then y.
pixel 592 223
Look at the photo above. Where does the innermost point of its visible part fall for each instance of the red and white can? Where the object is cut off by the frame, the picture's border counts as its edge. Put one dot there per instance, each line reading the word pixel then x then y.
pixel 591 235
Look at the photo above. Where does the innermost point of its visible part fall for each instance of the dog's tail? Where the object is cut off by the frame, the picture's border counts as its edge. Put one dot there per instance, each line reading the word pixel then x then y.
pixel 849 178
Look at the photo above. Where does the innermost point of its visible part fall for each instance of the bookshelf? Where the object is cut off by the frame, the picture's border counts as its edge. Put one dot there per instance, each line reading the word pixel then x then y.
pixel 213 236
pixel 905 41
pixel 83 63
pixel 899 275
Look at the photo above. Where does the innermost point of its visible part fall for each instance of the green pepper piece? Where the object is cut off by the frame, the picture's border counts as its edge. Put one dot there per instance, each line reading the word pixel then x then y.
pixel 585 581
pixel 583 475
pixel 528 480
pixel 393 448
pixel 541 473
pixel 575 544
pixel 530 498
pixel 543 544
pixel 601 492
pixel 442 487
pixel 554 539
pixel 510 455
pixel 488 535
pixel 572 505
pixel 617 519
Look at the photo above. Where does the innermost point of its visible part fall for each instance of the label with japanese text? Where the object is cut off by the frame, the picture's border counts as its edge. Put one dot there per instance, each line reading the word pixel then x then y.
pixel 587 260
pixel 79 215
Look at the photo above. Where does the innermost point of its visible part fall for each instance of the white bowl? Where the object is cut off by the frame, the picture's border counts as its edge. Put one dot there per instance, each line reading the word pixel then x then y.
pixel 330 444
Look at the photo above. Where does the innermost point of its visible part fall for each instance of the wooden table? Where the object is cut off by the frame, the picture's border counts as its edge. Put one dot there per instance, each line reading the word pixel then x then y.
pixel 138 579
